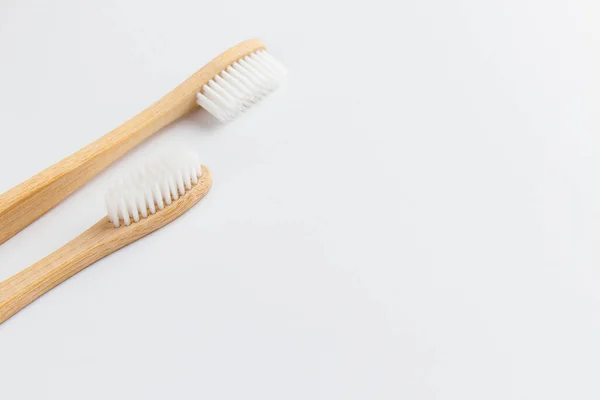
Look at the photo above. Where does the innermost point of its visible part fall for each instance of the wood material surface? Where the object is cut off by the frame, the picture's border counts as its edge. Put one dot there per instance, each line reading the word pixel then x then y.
pixel 97 242
pixel 27 201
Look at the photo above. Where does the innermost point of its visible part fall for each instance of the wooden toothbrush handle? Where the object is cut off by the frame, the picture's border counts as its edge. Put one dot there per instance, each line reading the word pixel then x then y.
pixel 29 284
pixel 29 200
pixel 97 242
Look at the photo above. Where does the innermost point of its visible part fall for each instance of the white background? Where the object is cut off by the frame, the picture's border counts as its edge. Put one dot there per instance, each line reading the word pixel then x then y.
pixel 414 216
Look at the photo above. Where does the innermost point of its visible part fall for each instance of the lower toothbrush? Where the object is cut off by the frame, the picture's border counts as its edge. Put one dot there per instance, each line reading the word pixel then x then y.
pixel 137 206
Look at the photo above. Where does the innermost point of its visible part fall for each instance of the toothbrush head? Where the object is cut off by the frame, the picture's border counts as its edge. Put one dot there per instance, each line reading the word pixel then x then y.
pixel 228 85
pixel 240 85
pixel 159 191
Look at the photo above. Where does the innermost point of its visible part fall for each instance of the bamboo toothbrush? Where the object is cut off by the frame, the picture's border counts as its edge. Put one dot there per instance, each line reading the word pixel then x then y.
pixel 137 206
pixel 225 87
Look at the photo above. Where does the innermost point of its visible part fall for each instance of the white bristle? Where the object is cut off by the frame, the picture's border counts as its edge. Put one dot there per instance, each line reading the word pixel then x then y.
pixel 241 84
pixel 152 188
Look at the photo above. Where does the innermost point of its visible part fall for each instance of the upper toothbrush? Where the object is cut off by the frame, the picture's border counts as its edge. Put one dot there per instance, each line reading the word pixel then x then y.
pixel 225 87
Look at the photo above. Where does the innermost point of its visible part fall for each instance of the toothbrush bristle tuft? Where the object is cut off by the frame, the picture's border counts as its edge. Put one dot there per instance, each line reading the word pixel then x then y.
pixel 152 188
pixel 240 85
